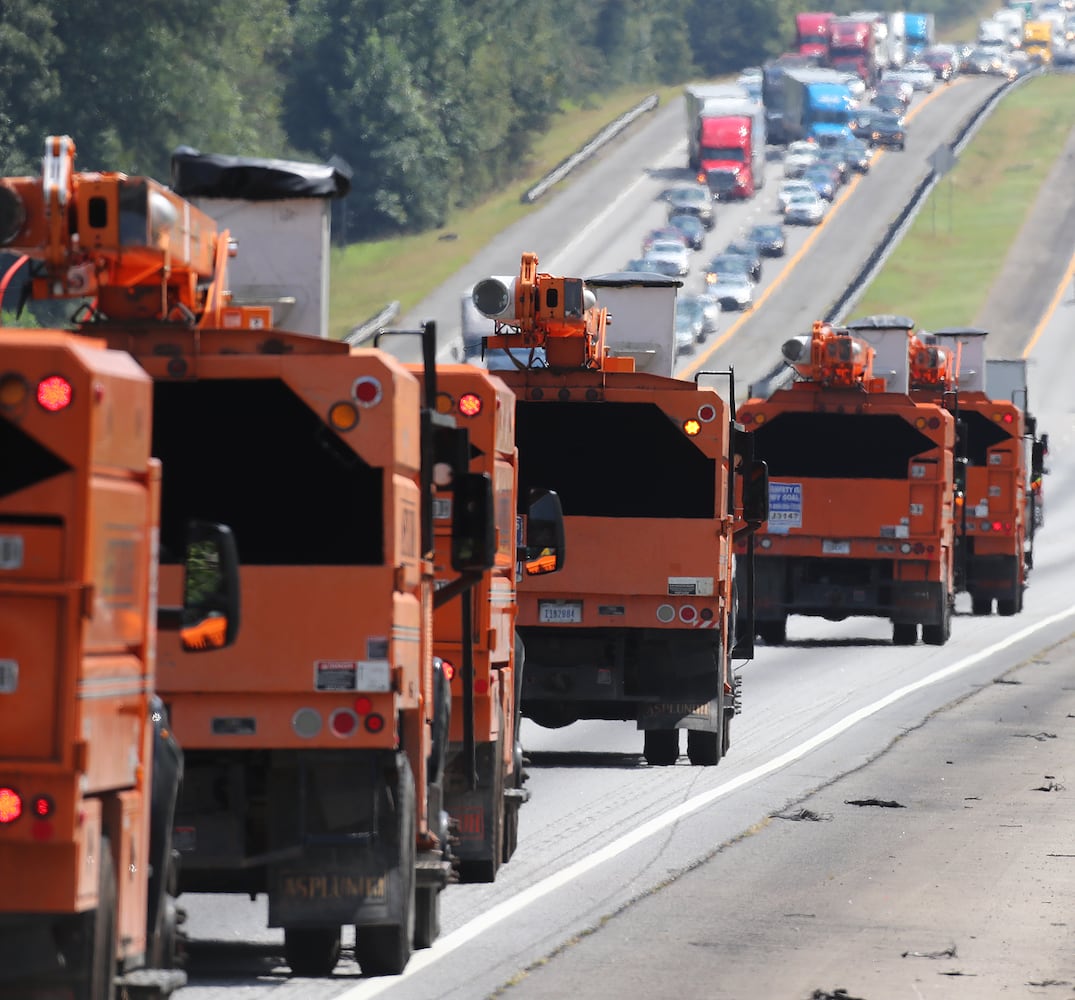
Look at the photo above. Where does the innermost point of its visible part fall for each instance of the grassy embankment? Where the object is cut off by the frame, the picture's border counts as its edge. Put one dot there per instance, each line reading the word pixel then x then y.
pixel 366 276
pixel 942 271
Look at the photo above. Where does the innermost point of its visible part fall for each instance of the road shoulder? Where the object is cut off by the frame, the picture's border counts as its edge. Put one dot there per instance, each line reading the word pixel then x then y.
pixel 957 880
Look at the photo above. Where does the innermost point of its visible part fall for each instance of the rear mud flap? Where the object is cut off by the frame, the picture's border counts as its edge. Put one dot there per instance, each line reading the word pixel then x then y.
pixel 704 716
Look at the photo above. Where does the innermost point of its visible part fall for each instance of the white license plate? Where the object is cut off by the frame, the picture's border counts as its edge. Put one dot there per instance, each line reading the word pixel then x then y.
pixel 830 547
pixel 9 676
pixel 560 612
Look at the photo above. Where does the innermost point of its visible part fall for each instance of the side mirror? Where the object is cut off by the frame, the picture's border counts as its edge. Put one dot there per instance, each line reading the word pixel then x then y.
pixel 210 614
pixel 1037 457
pixel 544 549
pixel 756 493
pixel 473 523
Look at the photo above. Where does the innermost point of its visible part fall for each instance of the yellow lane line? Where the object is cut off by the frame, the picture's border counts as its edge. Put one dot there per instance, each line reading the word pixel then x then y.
pixel 697 363
pixel 1058 295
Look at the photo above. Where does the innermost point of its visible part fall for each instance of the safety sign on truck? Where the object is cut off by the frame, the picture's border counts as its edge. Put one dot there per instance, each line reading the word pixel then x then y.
pixel 785 506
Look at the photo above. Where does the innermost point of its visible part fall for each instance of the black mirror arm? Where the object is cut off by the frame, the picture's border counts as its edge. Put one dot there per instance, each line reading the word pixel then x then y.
pixel 466 581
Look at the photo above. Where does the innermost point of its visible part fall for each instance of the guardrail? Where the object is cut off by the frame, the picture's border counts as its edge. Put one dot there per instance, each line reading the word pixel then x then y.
pixel 364 332
pixel 580 156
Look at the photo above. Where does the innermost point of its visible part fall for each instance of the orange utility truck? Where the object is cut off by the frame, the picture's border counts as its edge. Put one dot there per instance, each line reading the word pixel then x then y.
pixel 312 772
pixel 994 530
pixel 474 631
pixel 89 770
pixel 655 482
pixel 860 491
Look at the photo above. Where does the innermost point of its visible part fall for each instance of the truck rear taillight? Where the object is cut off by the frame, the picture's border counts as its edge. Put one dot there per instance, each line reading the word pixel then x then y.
pixel 54 393
pixel 343 722
pixel 10 805
pixel 375 722
pixel 366 391
pixel 470 404
pixel 42 806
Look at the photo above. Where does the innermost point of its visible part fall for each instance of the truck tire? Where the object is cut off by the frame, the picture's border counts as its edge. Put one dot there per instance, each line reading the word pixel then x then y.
pixel 100 971
pixel 981 605
pixel 661 747
pixel 312 951
pixel 703 749
pixel 904 633
pixel 939 634
pixel 426 916
pixel 773 632
pixel 385 949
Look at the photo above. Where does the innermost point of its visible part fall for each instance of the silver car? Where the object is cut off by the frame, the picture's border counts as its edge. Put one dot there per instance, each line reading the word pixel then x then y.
pixel 805 209
pixel 672 251
pixel 733 291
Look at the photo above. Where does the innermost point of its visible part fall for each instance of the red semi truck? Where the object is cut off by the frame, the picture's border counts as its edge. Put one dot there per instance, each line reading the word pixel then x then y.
pixel 726 137
pixel 812 33
pixel 852 47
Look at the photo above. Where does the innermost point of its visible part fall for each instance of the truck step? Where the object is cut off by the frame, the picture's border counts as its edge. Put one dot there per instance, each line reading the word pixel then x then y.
pixel 432 870
pixel 519 795
pixel 150 984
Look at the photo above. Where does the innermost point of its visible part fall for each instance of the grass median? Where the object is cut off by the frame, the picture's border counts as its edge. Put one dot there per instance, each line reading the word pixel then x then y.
pixel 942 271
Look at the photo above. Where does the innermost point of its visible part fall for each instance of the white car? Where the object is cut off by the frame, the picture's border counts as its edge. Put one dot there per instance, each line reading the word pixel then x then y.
pixel 918 75
pixel 732 290
pixel 856 85
pixel 805 209
pixel 790 188
pixel 672 251
pixel 799 157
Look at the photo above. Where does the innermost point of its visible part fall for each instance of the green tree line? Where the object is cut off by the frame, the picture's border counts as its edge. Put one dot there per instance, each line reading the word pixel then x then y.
pixel 433 103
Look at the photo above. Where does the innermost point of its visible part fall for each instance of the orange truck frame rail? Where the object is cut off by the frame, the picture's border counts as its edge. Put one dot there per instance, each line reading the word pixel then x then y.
pixel 650 472
pixel 861 494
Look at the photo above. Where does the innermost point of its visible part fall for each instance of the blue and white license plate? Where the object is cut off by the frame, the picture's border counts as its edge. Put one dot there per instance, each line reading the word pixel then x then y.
pixel 560 612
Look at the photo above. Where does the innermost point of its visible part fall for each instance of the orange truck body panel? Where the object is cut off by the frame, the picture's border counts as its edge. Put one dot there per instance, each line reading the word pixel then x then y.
pixel 481 812
pixel 79 497
pixel 861 502
pixel 655 572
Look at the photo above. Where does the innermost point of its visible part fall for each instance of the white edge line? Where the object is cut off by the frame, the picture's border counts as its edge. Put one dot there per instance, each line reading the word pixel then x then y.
pixel 479 925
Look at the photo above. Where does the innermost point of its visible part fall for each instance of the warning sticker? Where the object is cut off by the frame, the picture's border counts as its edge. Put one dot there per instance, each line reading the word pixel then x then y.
pixel 785 506
pixel 335 675
pixel 691 586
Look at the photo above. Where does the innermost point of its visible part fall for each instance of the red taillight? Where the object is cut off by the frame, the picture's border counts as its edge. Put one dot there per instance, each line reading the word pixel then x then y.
pixel 996 525
pixel 42 806
pixel 470 404
pixel 10 805
pixel 1008 418
pixel 54 393
pixel 343 722
pixel 374 722
pixel 363 705
pixel 448 669
pixel 366 391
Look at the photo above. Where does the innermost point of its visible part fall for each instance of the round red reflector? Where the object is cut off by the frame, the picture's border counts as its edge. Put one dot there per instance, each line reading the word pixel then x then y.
pixel 470 404
pixel 366 390
pixel 41 830
pixel 343 722
pixel 363 705
pixel 54 393
pixel 448 668
pixel 481 685
pixel 688 613
pixel 42 806
pixel 375 722
pixel 10 805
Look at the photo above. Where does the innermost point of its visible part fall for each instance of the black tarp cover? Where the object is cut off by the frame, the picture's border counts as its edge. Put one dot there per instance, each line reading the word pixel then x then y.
pixel 209 175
